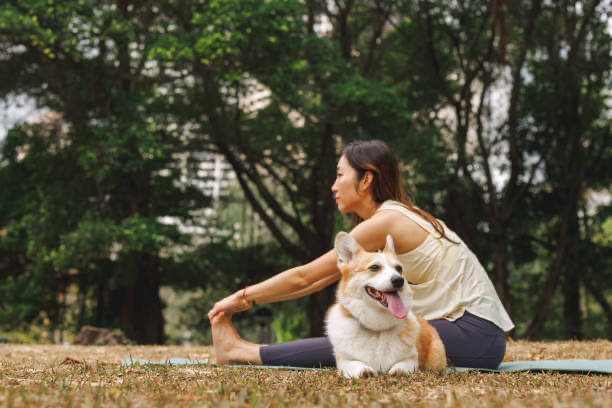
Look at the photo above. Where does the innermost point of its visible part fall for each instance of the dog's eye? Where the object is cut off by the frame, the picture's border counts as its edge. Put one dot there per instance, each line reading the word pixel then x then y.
pixel 398 268
pixel 374 268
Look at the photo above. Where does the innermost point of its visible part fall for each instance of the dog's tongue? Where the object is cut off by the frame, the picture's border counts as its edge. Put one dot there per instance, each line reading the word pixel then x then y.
pixel 396 307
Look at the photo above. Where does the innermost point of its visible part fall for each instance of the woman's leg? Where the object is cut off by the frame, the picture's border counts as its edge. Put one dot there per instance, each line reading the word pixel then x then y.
pixel 314 352
pixel 471 341
pixel 229 347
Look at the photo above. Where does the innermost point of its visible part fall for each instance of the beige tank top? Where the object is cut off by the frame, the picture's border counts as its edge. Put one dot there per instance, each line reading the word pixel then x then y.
pixel 447 278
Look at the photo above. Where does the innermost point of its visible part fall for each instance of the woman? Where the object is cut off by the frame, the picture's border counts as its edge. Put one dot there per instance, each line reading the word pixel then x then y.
pixel 451 289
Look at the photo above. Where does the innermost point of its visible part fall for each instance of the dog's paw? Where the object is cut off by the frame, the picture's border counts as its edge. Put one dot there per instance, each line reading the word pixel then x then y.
pixel 398 372
pixel 368 372
pixel 356 369
pixel 361 373
pixel 403 368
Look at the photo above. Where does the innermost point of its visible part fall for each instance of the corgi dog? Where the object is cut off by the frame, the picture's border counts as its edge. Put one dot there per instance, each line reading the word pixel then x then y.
pixel 371 327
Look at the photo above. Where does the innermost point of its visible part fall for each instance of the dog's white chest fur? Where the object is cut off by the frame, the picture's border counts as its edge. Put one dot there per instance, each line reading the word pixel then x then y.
pixel 359 350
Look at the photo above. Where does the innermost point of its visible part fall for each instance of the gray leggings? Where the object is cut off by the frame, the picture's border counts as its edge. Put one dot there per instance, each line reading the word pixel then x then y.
pixel 469 341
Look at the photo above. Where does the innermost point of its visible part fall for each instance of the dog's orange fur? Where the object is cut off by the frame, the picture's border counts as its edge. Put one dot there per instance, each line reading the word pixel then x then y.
pixel 345 312
pixel 363 260
pixel 429 346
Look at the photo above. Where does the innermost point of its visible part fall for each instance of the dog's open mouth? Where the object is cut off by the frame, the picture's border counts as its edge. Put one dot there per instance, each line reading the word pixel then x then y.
pixel 390 300
pixel 378 295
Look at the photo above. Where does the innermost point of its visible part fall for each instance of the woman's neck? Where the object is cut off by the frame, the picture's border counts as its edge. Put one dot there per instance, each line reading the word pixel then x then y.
pixel 367 209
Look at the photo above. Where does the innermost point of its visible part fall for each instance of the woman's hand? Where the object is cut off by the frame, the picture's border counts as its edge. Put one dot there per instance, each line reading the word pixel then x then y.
pixel 231 304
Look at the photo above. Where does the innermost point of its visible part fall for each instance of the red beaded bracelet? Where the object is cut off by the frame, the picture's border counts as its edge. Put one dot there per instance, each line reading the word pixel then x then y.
pixel 244 294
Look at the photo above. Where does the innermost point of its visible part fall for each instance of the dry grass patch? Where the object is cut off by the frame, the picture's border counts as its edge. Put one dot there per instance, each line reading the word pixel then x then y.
pixel 92 376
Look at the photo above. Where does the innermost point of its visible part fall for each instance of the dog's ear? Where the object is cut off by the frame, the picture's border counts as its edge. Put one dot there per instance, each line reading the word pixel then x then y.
pixel 389 247
pixel 346 248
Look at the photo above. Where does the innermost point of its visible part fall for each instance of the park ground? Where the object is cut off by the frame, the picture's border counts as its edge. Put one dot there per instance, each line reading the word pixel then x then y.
pixel 63 376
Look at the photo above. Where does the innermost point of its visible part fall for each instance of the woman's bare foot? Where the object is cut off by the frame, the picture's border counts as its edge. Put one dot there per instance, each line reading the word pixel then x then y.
pixel 229 346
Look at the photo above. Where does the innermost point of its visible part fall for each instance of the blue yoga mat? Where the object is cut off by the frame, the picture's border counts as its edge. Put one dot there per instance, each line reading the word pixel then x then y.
pixel 563 366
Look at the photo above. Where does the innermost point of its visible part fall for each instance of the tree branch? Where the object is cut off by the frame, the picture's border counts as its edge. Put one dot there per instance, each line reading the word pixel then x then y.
pixel 545 244
pixel 600 298
pixel 343 30
pixel 381 18
pixel 285 186
pixel 295 250
pixel 483 148
pixel 254 176
pixel 432 54
pixel 517 84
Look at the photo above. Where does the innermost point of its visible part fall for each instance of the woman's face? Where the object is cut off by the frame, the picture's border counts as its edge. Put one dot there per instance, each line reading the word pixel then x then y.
pixel 345 193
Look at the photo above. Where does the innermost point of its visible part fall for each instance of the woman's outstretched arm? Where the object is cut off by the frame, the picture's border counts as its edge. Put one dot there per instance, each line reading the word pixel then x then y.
pixel 291 284
pixel 306 279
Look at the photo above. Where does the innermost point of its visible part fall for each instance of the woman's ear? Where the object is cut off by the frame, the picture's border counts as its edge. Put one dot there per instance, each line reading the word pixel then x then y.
pixel 366 181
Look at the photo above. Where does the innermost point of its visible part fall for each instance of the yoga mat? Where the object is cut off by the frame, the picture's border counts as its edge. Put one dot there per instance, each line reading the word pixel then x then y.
pixel 178 361
pixel 577 366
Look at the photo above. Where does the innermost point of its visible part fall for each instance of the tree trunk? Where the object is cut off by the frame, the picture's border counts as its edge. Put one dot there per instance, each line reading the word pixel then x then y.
pixel 601 299
pixel 147 315
pixel 319 303
pixel 556 267
pixel 572 316
pixel 322 210
pixel 500 271
pixel 100 304
pixel 138 305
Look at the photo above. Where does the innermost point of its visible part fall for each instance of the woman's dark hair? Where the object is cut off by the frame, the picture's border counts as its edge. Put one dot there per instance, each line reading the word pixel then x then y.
pixel 376 157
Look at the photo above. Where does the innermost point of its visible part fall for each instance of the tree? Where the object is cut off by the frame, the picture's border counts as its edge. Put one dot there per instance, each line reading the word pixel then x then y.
pixel 465 93
pixel 480 60
pixel 463 51
pixel 567 101
pixel 88 62
pixel 285 154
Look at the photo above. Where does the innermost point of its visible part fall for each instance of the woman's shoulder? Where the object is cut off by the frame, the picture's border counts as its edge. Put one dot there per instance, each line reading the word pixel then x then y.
pixel 406 233
pixel 392 211
pixel 390 204
pixel 397 218
pixel 371 234
pixel 414 214
pixel 380 221
pixel 394 207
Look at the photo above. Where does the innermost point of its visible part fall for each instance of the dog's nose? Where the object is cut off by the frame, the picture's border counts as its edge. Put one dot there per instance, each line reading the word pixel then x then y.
pixel 397 281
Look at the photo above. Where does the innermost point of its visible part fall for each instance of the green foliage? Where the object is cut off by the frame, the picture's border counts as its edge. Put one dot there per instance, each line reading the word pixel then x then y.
pixel 141 88
pixel 290 322
pixel 90 184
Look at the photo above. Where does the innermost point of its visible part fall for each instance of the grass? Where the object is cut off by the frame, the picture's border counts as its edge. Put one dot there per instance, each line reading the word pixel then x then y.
pixel 64 376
